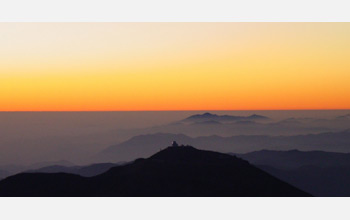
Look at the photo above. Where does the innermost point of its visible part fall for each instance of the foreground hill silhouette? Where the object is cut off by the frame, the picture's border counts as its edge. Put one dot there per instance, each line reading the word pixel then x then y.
pixel 175 171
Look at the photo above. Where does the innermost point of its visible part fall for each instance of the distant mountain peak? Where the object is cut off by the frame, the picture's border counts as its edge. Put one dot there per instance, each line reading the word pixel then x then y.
pixel 205 115
pixel 209 114
pixel 222 118
pixel 258 116
pixel 347 116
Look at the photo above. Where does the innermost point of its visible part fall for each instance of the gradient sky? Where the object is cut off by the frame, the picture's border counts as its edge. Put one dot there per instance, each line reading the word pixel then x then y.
pixel 174 66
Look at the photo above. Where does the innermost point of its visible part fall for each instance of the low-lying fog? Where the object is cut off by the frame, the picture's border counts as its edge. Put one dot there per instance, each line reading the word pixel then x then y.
pixel 35 137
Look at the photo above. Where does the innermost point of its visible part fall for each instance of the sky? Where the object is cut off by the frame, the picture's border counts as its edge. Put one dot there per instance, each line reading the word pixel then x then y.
pixel 174 66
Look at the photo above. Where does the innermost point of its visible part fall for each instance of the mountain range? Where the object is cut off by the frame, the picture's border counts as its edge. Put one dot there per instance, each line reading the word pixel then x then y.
pixel 293 159
pixel 174 171
pixel 21 147
pixel 229 125
pixel 87 171
pixel 319 173
pixel 223 118
pixel 8 170
pixel 146 145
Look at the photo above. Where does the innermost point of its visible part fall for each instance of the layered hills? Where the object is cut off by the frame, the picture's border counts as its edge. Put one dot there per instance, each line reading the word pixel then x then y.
pixel 174 171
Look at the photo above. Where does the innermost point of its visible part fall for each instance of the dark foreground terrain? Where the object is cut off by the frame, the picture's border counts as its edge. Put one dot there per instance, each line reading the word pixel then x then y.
pixel 175 171
pixel 317 172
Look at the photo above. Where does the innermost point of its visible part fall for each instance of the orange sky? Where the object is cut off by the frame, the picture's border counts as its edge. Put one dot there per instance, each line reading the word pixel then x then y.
pixel 174 66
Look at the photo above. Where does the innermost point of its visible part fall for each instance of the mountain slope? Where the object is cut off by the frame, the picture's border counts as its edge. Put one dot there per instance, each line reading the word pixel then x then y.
pixel 295 159
pixel 175 171
pixel 319 181
pixel 317 172
pixel 87 171
pixel 3 174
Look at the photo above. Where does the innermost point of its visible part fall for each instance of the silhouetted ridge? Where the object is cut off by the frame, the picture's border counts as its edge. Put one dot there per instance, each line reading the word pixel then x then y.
pixel 189 154
pixel 87 171
pixel 295 159
pixel 174 171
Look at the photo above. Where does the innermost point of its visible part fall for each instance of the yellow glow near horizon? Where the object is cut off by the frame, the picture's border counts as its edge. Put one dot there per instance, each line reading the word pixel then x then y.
pixel 174 66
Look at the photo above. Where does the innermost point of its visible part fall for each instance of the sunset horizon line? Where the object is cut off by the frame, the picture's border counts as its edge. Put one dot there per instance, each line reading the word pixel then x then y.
pixel 183 110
